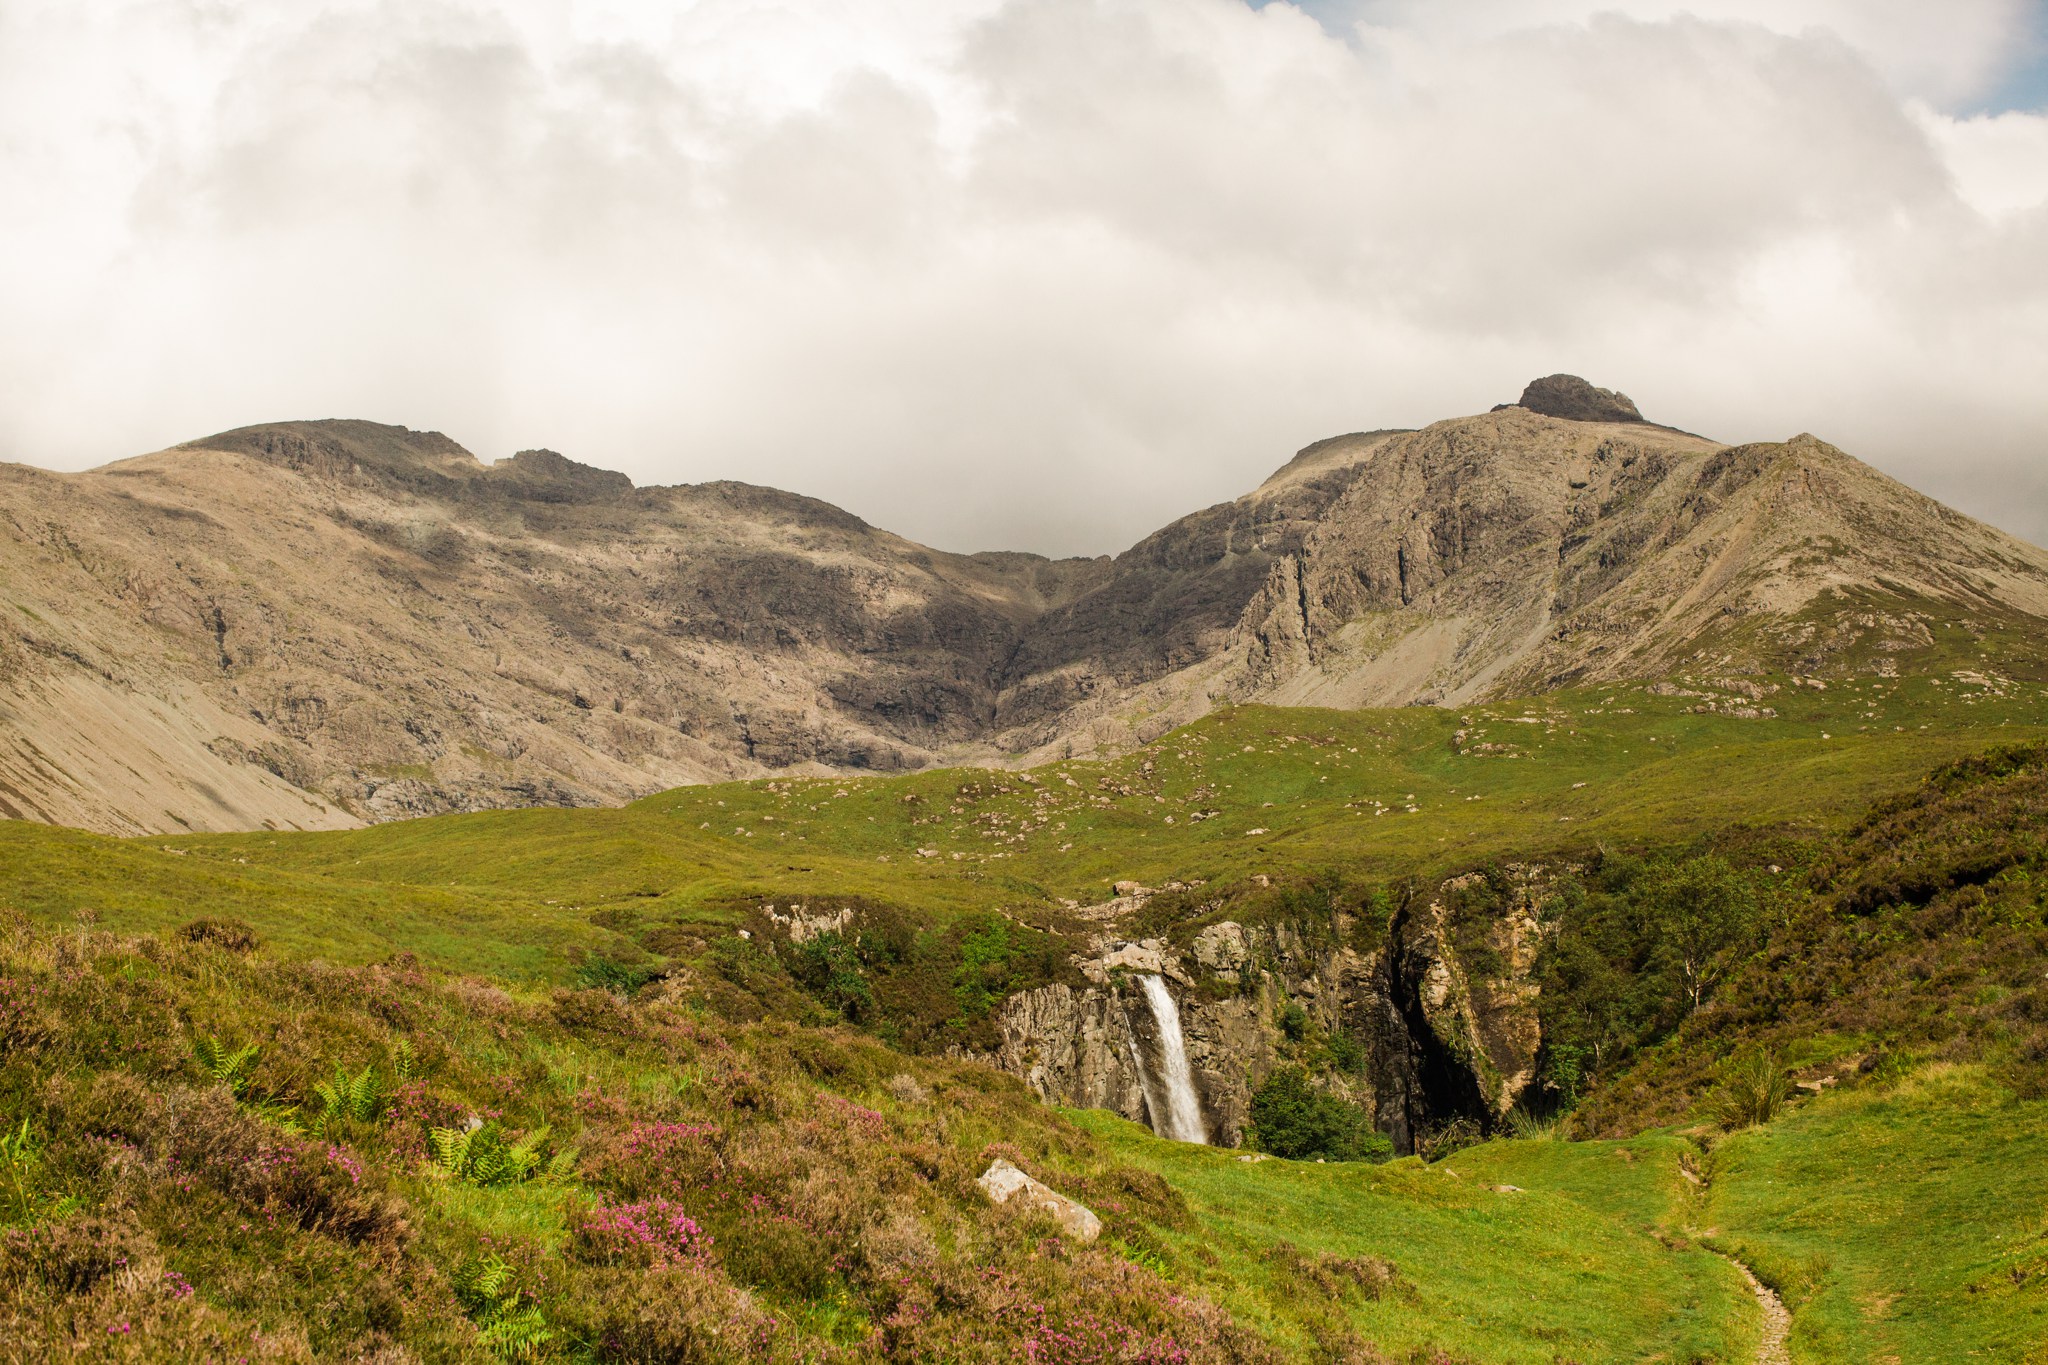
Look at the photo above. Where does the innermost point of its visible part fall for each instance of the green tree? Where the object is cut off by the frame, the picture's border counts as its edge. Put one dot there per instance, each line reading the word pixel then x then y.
pixel 1291 1118
pixel 829 966
pixel 1704 917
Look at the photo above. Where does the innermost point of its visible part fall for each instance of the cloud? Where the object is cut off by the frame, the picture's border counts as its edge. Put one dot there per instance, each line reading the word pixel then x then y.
pixel 1043 273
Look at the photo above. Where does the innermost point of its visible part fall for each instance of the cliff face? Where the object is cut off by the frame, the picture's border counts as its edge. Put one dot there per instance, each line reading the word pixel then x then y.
pixel 1427 1038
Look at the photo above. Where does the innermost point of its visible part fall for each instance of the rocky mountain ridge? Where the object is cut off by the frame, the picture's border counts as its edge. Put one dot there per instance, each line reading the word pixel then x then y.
pixel 322 623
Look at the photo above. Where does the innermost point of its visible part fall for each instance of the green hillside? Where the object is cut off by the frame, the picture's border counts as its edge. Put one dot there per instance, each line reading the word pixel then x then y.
pixel 1386 794
pixel 693 1148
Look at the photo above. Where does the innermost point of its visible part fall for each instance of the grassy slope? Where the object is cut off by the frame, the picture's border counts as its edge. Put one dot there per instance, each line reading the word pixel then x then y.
pixel 1580 1263
pixel 1590 1262
pixel 513 892
pixel 1905 1224
pixel 891 1254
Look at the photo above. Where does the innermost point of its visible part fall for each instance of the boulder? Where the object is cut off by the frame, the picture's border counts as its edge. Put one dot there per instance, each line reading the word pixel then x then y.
pixel 1003 1182
pixel 1572 398
pixel 1222 947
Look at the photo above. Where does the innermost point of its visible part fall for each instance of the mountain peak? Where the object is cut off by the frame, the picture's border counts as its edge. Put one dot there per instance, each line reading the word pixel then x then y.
pixel 1573 399
pixel 548 476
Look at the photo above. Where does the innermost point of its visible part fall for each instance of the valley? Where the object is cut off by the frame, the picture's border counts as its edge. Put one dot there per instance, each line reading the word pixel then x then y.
pixel 637 975
pixel 1541 888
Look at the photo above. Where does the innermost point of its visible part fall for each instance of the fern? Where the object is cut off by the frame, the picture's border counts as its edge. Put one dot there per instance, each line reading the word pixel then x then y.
pixel 405 1064
pixel 21 1152
pixel 522 1158
pixel 282 1116
pixel 355 1099
pixel 228 1068
pixel 560 1167
pixel 481 1156
pixel 516 1335
pixel 450 1148
pixel 506 1325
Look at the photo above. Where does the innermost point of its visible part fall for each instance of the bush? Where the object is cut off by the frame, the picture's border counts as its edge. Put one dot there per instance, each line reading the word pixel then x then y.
pixel 681 1313
pixel 619 978
pixel 1294 1021
pixel 1753 1092
pixel 984 976
pixel 1292 1119
pixel 1437 1143
pixel 73 1256
pixel 828 966
pixel 653 1232
pixel 230 934
pixel 1346 1053
pixel 1331 1276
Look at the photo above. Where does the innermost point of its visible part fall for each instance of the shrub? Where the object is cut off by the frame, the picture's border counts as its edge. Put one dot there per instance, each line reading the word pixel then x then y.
pixel 73 1256
pixel 1752 1092
pixel 1294 1021
pixel 651 1159
pixel 1346 1053
pixel 653 1232
pixel 1291 1118
pixel 1436 1143
pixel 828 966
pixel 1332 1276
pixel 229 934
pixel 605 974
pixel 681 1314
pixel 984 976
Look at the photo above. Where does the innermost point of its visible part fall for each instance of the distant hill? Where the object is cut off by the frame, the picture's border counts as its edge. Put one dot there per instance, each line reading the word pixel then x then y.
pixel 315 624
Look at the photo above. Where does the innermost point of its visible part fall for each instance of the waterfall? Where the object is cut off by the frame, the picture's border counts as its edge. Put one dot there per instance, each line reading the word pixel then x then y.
pixel 1176 1112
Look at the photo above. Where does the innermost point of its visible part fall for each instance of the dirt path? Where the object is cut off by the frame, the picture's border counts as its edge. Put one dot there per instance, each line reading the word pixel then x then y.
pixel 1777 1322
pixel 1772 1349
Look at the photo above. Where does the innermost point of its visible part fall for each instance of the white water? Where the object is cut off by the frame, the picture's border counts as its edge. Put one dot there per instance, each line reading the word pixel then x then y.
pixel 1176 1113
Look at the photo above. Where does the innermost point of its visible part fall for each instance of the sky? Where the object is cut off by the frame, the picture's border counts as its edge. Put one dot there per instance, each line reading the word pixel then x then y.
pixel 1030 274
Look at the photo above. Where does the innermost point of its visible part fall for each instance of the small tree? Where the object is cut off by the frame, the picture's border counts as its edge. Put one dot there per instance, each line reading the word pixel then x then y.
pixel 1704 917
pixel 1291 1118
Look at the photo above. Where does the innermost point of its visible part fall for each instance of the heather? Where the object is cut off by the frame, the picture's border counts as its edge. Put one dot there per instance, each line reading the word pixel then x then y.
pixel 556 1175
pixel 562 1085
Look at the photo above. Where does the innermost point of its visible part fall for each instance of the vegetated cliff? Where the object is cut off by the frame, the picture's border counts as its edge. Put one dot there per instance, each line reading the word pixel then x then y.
pixel 321 623
pixel 1423 1013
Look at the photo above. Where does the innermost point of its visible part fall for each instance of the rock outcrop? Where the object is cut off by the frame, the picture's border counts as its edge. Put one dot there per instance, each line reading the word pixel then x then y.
pixel 1573 399
pixel 1429 1037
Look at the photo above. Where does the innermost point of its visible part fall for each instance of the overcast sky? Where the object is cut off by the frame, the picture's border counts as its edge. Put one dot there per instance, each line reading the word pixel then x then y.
pixel 1036 274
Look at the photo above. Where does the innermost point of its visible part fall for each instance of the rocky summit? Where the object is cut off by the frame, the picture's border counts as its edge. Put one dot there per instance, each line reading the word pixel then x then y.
pixel 320 624
pixel 1572 398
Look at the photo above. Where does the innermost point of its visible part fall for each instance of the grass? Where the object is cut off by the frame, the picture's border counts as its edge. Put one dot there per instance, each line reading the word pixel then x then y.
pixel 1582 1262
pixel 526 894
pixel 1902 1224
pixel 838 1188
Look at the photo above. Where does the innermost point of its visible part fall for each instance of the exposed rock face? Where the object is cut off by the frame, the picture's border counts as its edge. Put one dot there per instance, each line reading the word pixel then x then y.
pixel 323 623
pixel 1437 1041
pixel 1002 1182
pixel 1472 1040
pixel 1573 399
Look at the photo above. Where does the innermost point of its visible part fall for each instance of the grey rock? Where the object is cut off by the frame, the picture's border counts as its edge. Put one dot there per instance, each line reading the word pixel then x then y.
pixel 1004 1183
pixel 1572 398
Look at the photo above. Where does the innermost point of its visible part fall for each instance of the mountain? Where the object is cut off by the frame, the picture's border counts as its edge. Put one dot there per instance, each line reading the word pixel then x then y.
pixel 317 624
